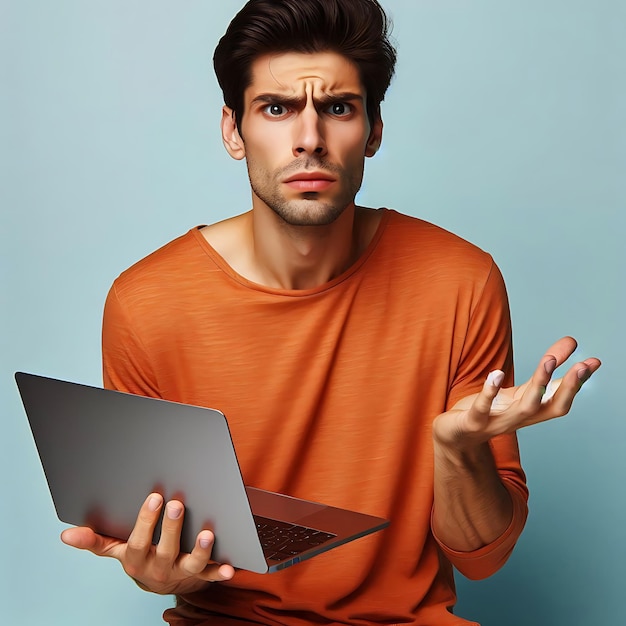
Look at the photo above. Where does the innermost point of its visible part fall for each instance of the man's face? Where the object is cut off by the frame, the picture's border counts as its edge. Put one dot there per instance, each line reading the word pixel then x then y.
pixel 305 135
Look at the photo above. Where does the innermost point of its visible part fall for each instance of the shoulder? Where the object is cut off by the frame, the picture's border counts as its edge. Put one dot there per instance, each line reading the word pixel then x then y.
pixel 431 248
pixel 172 265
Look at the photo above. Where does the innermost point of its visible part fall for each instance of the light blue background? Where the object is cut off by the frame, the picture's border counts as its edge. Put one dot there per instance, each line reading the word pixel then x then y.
pixel 505 124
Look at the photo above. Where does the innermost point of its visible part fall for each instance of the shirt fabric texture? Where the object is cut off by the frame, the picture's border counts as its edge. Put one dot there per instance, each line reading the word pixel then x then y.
pixel 330 394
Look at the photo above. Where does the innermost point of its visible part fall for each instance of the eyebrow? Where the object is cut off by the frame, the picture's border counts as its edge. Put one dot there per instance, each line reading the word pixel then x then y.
pixel 298 101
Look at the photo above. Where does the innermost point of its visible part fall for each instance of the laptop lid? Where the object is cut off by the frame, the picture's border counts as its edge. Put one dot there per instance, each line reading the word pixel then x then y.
pixel 104 451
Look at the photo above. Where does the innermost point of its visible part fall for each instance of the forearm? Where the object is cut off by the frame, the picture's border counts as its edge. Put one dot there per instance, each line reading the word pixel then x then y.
pixel 472 507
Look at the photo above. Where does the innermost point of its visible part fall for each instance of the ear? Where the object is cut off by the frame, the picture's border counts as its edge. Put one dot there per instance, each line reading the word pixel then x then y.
pixel 375 138
pixel 230 135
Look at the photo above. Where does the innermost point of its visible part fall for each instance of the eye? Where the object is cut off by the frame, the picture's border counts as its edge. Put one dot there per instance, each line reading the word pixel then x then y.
pixel 340 109
pixel 275 110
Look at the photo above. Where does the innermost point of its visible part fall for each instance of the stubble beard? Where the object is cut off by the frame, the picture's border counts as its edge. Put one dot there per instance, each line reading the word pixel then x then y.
pixel 308 210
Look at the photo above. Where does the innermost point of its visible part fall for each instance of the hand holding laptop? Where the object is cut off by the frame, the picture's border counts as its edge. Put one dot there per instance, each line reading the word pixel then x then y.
pixel 77 433
pixel 160 568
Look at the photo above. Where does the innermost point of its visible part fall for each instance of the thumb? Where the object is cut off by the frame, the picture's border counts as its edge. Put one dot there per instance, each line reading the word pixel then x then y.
pixel 485 398
pixel 85 538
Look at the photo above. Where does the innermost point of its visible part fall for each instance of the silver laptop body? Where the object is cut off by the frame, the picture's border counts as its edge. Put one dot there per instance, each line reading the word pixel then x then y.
pixel 104 451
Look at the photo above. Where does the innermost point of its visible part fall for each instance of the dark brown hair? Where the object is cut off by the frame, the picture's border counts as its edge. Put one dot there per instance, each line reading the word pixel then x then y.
pixel 356 29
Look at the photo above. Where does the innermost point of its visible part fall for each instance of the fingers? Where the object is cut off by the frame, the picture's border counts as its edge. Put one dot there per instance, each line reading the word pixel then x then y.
pixel 537 387
pixel 538 400
pixel 561 350
pixel 545 399
pixel 562 397
pixel 161 568
pixel 485 399
pixel 168 548
pixel 169 542
pixel 81 538
pixel 483 403
pixel 198 562
pixel 496 411
pixel 556 354
pixel 140 540
pixel 216 572
pixel 86 539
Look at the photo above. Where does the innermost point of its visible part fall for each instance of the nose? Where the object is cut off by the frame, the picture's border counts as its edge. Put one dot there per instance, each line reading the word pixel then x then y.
pixel 309 133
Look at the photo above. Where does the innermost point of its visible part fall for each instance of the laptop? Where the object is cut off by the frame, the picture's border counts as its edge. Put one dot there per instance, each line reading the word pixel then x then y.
pixel 104 451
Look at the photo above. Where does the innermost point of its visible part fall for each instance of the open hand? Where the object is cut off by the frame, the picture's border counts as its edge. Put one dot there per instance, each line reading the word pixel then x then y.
pixel 495 411
pixel 161 568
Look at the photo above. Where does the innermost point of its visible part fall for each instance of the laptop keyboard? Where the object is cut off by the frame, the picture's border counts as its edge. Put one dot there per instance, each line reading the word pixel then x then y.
pixel 282 540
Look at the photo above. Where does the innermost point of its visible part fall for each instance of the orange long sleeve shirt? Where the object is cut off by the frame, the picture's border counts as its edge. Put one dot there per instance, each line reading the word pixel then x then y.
pixel 330 395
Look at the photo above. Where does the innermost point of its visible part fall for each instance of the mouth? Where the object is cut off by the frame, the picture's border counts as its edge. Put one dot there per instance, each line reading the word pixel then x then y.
pixel 309 181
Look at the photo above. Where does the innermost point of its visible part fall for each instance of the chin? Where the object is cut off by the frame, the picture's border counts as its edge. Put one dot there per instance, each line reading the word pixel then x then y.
pixel 308 212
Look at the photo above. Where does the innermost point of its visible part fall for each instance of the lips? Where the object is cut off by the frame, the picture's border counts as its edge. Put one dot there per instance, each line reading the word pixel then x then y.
pixel 309 181
pixel 309 176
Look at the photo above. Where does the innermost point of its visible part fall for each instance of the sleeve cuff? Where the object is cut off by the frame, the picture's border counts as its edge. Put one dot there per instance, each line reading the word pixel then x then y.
pixel 487 560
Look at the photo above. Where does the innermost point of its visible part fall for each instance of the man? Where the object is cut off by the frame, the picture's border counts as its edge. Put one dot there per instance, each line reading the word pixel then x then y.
pixel 369 351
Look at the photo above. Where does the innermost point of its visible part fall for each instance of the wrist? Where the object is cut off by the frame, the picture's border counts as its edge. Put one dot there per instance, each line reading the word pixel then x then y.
pixel 461 454
pixel 189 585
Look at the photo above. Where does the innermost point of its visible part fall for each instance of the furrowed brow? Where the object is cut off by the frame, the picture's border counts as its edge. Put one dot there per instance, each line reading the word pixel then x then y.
pixel 330 98
pixel 298 102
pixel 278 98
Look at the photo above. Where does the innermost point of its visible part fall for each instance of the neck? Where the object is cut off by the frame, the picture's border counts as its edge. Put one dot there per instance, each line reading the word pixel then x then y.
pixel 304 257
pixel 269 252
